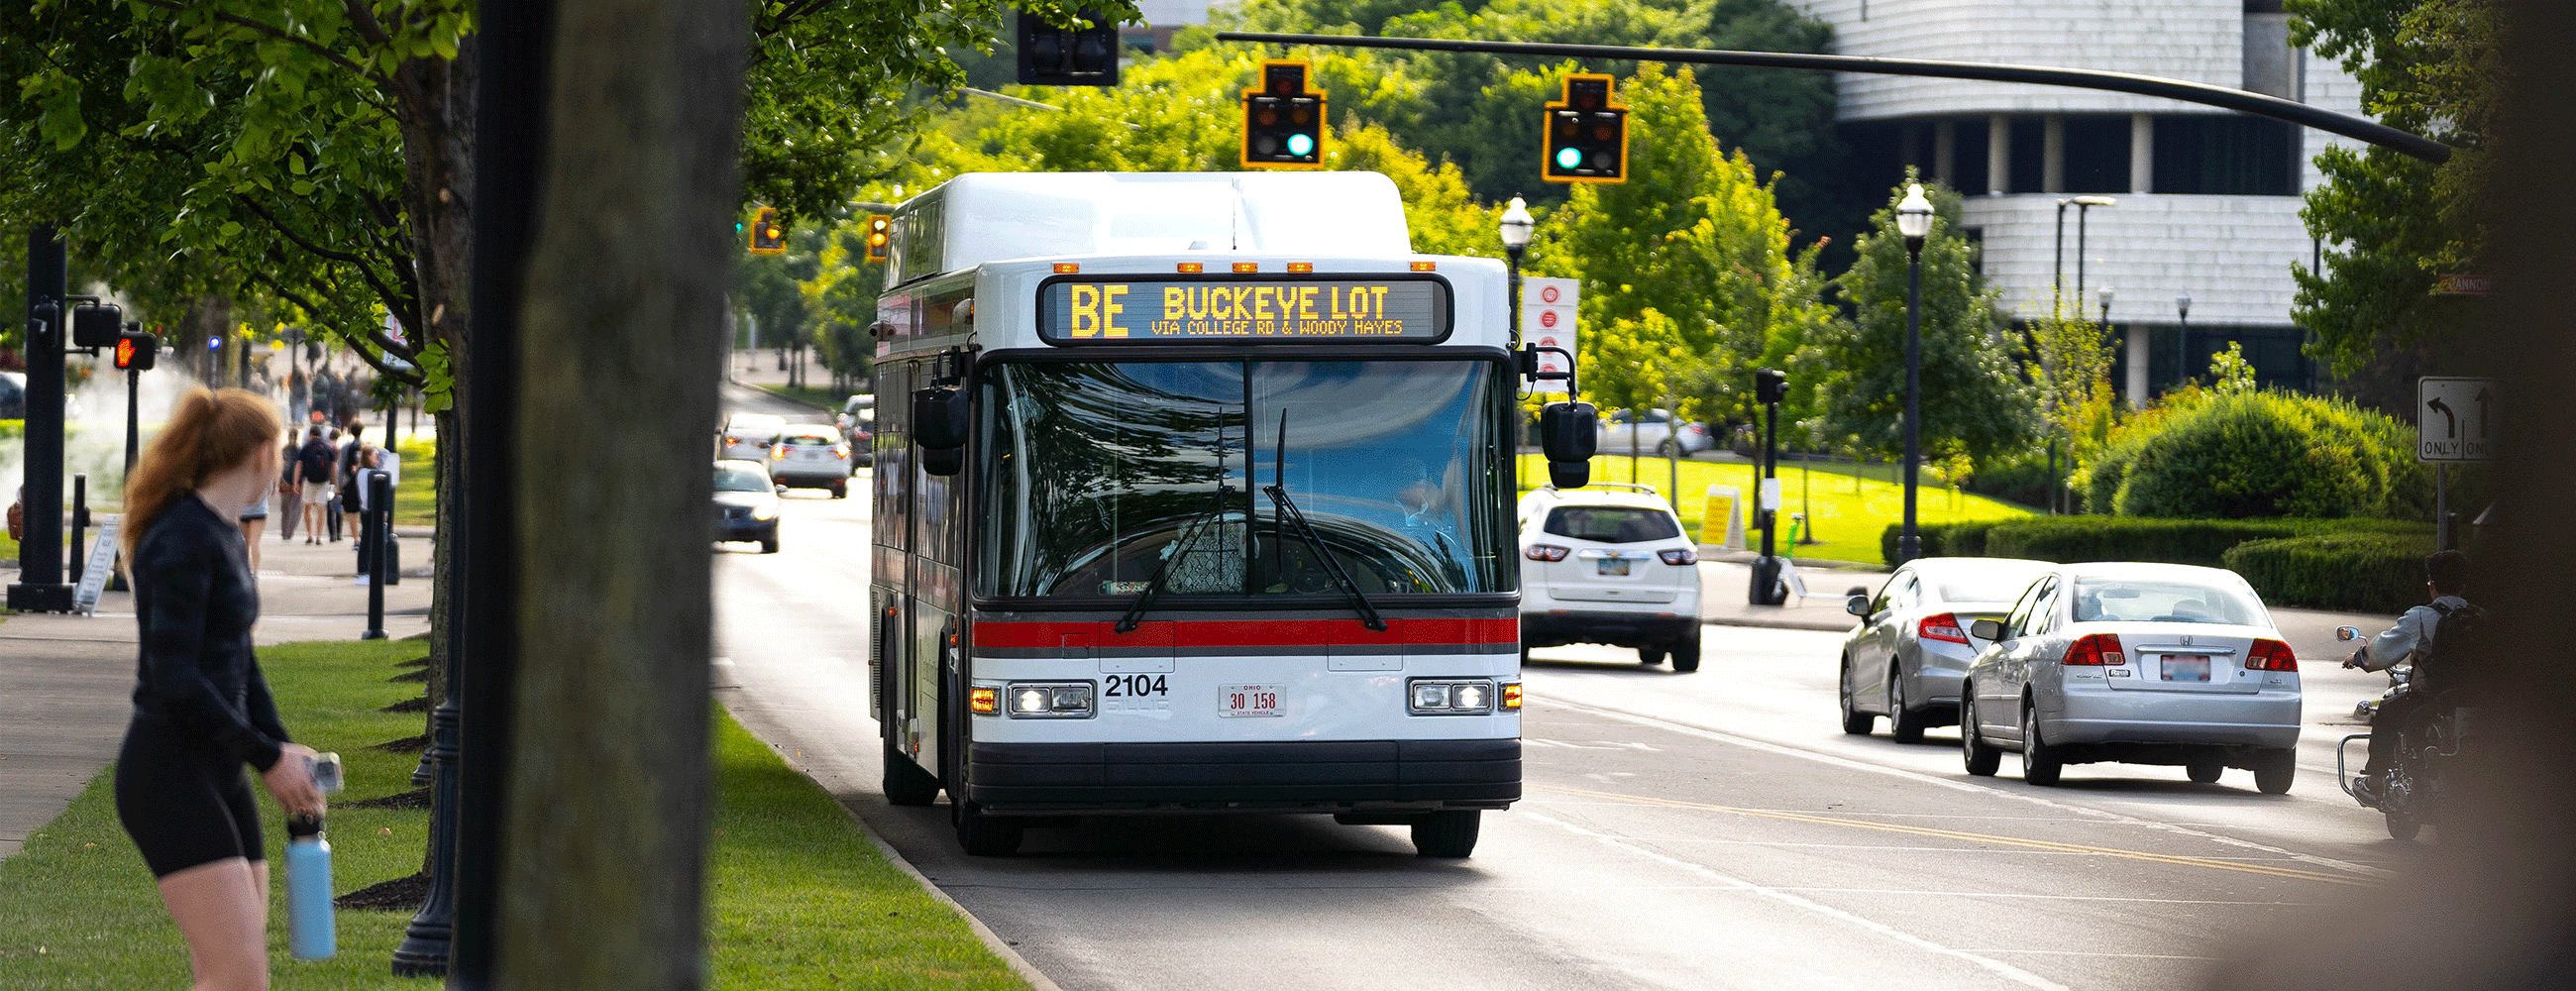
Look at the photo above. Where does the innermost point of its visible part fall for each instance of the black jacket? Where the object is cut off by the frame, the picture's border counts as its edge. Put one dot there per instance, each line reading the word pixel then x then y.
pixel 195 603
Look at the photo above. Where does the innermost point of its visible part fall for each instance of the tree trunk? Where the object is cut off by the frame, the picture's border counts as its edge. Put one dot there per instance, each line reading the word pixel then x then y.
pixel 606 821
pixel 437 120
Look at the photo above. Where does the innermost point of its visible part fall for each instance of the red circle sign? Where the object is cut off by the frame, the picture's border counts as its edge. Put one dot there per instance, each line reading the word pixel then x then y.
pixel 1547 318
pixel 1547 294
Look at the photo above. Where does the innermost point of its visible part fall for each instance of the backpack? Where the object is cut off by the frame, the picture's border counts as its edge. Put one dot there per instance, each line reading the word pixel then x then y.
pixel 314 458
pixel 2454 647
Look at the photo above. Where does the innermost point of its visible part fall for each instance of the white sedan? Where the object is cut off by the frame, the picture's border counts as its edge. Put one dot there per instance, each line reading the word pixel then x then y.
pixel 2137 664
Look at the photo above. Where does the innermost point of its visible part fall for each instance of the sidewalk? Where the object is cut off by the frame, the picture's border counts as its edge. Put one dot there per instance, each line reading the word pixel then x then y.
pixel 66 681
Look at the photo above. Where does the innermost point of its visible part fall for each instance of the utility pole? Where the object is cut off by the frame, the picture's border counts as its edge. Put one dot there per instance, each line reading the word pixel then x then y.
pixel 40 586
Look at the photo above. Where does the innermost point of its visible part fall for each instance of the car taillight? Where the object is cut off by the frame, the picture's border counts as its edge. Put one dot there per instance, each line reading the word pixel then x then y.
pixel 1546 552
pixel 1943 626
pixel 777 451
pixel 2271 655
pixel 1679 556
pixel 2097 649
pixel 840 450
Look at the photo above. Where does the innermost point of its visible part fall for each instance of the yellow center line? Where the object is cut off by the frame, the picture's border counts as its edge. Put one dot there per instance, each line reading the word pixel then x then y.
pixel 2051 846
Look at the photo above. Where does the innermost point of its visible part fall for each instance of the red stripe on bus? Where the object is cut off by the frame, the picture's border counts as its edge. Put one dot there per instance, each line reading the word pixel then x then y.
pixel 1246 633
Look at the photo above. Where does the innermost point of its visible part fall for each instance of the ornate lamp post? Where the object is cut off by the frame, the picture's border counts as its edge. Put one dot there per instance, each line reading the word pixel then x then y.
pixel 1515 231
pixel 1914 221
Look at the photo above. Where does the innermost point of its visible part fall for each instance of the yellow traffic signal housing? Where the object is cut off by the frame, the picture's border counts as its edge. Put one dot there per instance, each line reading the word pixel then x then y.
pixel 1283 121
pixel 767 236
pixel 880 236
pixel 1586 133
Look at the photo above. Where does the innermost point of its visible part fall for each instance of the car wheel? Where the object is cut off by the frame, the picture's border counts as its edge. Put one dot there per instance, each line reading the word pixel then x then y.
pixel 2039 762
pixel 2205 771
pixel 905 782
pixel 1982 758
pixel 840 490
pixel 1665 449
pixel 1855 722
pixel 2404 827
pixel 1446 833
pixel 769 545
pixel 1686 653
pixel 2274 769
pixel 985 835
pixel 1905 725
pixel 1650 655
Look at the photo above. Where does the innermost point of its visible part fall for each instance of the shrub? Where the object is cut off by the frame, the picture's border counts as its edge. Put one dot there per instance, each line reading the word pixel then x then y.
pixel 2265 454
pixel 2114 538
pixel 2022 478
pixel 2363 572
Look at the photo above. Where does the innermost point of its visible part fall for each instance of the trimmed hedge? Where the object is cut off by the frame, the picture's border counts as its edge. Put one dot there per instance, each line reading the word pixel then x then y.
pixel 2257 455
pixel 2374 573
pixel 2125 538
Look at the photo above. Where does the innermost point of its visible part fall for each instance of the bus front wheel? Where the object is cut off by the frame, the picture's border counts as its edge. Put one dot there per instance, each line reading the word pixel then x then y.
pixel 983 835
pixel 1447 833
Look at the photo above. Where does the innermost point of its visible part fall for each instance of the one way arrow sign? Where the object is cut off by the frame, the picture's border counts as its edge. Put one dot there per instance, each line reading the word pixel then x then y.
pixel 2455 419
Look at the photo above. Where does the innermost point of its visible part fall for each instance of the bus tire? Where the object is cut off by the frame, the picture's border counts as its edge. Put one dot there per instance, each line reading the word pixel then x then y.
pixel 905 782
pixel 986 836
pixel 1446 833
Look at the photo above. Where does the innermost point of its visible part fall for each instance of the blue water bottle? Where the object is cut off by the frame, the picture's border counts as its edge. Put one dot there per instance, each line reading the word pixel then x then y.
pixel 309 926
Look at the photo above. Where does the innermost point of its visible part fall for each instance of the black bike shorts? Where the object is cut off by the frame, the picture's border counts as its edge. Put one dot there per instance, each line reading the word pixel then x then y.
pixel 185 802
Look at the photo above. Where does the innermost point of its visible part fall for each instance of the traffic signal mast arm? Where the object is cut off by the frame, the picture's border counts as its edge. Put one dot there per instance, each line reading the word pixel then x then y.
pixel 2347 125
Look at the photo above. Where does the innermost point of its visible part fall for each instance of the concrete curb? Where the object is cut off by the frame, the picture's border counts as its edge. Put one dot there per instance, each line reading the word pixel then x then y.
pixel 1001 948
pixel 1782 623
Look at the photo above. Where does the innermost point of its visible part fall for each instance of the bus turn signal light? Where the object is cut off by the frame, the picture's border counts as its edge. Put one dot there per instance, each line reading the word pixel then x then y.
pixel 1512 697
pixel 982 700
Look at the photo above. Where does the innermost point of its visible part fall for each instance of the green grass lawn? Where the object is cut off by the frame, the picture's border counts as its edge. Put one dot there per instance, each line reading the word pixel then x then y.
pixel 797 896
pixel 825 399
pixel 1849 505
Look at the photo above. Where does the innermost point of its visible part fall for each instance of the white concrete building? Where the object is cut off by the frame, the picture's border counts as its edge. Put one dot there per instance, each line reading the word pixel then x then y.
pixel 2207 200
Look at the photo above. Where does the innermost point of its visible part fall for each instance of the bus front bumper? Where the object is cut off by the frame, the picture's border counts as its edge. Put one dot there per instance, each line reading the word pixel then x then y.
pixel 1275 776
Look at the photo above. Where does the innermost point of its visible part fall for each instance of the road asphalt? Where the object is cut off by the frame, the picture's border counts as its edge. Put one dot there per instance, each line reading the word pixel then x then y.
pixel 66 680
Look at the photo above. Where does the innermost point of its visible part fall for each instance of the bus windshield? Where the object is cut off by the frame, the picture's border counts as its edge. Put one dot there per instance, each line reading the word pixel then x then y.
pixel 1097 476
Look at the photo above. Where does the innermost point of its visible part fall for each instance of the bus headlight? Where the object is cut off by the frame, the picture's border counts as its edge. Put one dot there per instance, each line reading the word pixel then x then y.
pixel 1450 696
pixel 1049 699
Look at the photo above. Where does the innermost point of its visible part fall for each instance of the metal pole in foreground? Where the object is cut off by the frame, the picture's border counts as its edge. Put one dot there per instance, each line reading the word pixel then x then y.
pixel 1914 223
pixel 80 524
pixel 380 518
pixel 40 587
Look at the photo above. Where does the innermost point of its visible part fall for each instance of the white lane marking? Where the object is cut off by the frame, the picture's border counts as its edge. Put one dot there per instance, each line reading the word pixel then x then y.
pixel 1967 786
pixel 723 662
pixel 2119 956
pixel 1999 967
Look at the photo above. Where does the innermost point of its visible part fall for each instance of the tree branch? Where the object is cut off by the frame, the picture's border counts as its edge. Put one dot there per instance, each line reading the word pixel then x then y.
pixel 371 335
pixel 282 34
pixel 393 301
pixel 364 19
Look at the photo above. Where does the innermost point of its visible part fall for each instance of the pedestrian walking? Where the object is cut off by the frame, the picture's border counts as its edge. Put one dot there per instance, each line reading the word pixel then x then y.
pixel 290 495
pixel 313 471
pixel 201 707
pixel 349 468
pixel 254 525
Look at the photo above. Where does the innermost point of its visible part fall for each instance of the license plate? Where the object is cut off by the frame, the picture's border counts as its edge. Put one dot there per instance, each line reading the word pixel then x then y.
pixel 2185 667
pixel 1614 565
pixel 1233 701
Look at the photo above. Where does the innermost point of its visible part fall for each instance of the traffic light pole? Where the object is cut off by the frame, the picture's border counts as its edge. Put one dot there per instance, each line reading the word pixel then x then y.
pixel 40 586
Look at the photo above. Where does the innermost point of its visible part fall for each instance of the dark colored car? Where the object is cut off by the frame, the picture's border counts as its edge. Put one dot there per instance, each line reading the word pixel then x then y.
pixel 746 504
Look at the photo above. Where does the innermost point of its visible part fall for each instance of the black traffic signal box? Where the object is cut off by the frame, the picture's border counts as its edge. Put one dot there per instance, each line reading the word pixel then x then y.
pixel 136 351
pixel 1283 120
pixel 95 325
pixel 880 236
pixel 1587 133
pixel 768 237
pixel 1770 385
pixel 1084 55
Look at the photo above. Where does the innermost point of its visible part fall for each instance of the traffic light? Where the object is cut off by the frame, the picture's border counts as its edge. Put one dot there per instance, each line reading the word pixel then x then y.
pixel 1587 133
pixel 1283 121
pixel 136 350
pixel 1770 385
pixel 95 325
pixel 767 237
pixel 880 236
pixel 1083 55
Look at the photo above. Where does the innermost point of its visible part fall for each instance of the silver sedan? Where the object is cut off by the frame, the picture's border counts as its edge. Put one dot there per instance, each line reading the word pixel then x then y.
pixel 2138 664
pixel 1906 656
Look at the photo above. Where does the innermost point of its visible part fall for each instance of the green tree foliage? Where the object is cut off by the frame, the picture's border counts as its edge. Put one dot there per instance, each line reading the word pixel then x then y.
pixel 2394 225
pixel 2235 455
pixel 1974 402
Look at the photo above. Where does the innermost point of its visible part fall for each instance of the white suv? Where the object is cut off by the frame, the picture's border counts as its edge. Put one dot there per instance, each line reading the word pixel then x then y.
pixel 1609 564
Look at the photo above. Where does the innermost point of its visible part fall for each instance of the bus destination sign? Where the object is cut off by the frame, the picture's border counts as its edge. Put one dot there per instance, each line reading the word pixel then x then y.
pixel 1087 311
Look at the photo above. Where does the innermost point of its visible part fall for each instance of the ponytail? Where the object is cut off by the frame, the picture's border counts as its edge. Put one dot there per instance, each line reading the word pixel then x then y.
pixel 208 433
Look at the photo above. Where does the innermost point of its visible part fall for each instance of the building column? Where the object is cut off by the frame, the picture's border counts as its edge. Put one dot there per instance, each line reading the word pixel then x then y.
pixel 2137 383
pixel 1998 154
pixel 1945 148
pixel 2142 153
pixel 2052 150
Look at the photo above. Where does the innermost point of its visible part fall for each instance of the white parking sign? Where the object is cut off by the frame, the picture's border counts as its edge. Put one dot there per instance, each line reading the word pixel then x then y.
pixel 2455 419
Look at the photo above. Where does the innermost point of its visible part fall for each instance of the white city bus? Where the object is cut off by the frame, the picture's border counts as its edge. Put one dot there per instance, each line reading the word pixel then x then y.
pixel 1193 495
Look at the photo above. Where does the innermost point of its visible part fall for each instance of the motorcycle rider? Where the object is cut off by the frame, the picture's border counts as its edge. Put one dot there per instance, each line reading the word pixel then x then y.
pixel 2447 579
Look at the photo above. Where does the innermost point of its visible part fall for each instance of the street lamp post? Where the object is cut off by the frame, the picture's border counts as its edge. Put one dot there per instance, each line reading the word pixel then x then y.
pixel 2182 338
pixel 2057 283
pixel 1914 222
pixel 1515 231
pixel 2106 308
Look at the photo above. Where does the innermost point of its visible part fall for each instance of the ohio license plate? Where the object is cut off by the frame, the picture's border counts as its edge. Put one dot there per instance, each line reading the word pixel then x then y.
pixel 1614 565
pixel 1233 701
pixel 2185 667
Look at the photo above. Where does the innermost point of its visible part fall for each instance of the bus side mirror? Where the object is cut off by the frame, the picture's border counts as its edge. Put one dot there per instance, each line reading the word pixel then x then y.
pixel 1568 432
pixel 939 425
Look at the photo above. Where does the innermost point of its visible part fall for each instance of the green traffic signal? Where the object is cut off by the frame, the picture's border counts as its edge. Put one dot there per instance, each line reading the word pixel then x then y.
pixel 1301 145
pixel 1569 157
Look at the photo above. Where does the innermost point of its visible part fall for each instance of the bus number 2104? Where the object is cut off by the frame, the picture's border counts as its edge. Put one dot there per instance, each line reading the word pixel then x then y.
pixel 1138 685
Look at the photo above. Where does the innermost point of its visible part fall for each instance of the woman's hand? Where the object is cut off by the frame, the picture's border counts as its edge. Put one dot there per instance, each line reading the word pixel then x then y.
pixel 290 781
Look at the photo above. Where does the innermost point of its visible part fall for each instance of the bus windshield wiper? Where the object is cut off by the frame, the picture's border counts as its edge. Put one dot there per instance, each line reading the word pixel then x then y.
pixel 1288 508
pixel 1188 542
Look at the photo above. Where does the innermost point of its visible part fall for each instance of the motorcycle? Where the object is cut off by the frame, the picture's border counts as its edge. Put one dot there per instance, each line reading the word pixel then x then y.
pixel 2411 790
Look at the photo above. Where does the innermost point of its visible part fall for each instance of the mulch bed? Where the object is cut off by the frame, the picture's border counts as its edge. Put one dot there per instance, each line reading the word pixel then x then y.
pixel 406 745
pixel 417 662
pixel 420 704
pixel 417 798
pixel 420 675
pixel 402 894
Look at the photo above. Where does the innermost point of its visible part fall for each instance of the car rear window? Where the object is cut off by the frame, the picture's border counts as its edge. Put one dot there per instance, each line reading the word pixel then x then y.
pixel 812 440
pixel 2164 601
pixel 1612 524
pixel 731 479
pixel 2001 583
